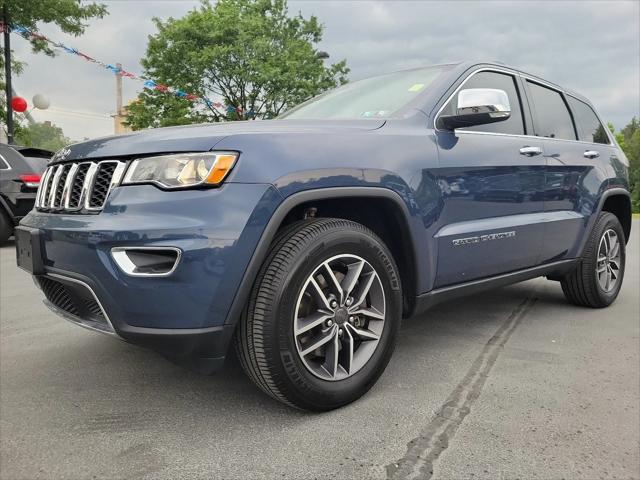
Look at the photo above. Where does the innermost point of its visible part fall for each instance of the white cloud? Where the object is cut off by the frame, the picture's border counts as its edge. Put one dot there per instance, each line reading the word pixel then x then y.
pixel 591 47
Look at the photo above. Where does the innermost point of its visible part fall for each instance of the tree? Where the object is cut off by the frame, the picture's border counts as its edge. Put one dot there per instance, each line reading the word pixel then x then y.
pixel 69 15
pixel 249 55
pixel 629 140
pixel 42 135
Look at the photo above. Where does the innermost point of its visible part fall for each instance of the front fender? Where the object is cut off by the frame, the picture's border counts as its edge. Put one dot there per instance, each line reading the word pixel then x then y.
pixel 290 202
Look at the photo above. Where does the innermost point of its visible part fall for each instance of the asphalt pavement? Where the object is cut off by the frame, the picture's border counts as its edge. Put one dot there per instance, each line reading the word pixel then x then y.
pixel 513 383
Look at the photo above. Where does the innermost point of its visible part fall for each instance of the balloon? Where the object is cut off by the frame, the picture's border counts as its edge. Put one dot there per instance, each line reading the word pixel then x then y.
pixel 19 104
pixel 40 101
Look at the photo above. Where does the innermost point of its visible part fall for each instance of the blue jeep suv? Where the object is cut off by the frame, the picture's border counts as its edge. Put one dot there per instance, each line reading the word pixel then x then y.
pixel 303 241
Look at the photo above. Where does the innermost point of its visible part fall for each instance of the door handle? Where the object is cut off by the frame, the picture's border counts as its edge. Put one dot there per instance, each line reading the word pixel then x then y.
pixel 530 151
pixel 591 154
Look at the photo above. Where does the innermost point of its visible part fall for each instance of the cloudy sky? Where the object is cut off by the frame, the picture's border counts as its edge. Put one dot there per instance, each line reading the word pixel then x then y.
pixel 592 47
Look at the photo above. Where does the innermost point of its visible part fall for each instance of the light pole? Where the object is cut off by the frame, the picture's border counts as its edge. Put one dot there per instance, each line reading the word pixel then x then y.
pixel 7 72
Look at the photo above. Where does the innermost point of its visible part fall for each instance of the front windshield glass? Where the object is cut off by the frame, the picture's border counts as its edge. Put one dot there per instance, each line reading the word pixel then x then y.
pixel 376 97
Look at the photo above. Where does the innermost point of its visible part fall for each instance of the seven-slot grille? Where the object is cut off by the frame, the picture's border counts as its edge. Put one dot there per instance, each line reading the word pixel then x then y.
pixel 80 187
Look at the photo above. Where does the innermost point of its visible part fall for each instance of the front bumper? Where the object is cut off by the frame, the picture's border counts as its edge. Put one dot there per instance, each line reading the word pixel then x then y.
pixel 182 314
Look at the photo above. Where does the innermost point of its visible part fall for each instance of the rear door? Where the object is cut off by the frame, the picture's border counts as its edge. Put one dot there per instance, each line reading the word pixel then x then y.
pixel 574 142
pixel 492 178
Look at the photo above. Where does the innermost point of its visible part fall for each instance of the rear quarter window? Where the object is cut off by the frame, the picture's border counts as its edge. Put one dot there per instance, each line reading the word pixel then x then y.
pixel 4 165
pixel 589 127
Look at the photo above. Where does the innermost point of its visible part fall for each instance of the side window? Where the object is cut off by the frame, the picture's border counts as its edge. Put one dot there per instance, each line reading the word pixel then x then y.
pixel 4 165
pixel 515 124
pixel 589 127
pixel 553 120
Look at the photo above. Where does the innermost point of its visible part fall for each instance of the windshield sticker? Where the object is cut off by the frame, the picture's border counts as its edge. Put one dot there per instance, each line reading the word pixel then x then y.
pixel 416 87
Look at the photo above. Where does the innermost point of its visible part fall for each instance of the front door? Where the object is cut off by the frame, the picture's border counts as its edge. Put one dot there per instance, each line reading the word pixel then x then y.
pixel 492 179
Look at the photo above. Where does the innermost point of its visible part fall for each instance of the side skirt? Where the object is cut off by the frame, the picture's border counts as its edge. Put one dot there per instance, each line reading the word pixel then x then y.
pixel 429 299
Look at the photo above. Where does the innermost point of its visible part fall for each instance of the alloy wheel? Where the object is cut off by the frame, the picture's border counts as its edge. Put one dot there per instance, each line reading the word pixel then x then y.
pixel 339 317
pixel 608 264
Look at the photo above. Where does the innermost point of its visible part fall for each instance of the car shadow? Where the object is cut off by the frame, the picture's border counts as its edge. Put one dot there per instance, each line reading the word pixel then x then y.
pixel 154 380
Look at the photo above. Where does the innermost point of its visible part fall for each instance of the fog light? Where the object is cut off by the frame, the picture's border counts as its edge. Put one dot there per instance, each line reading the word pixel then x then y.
pixel 147 261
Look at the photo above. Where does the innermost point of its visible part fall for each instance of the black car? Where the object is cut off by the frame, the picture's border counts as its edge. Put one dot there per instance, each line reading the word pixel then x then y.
pixel 20 171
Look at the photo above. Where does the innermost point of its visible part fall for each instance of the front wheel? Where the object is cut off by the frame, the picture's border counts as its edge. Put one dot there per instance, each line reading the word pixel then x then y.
pixel 597 279
pixel 323 316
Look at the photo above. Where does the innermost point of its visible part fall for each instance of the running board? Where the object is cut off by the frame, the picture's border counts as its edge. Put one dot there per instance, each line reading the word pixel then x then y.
pixel 429 299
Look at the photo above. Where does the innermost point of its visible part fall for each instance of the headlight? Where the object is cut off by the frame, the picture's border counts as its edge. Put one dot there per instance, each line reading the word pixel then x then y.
pixel 181 169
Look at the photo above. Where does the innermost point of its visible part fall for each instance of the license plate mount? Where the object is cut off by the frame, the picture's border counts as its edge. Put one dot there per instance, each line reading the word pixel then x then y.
pixel 29 250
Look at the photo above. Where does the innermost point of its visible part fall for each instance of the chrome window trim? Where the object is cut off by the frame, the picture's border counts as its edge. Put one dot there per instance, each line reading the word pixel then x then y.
pixel 467 132
pixel 4 160
pixel 119 255
pixel 77 320
pixel 513 73
pixel 533 79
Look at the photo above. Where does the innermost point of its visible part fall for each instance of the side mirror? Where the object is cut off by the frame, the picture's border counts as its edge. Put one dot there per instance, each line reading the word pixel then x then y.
pixel 478 106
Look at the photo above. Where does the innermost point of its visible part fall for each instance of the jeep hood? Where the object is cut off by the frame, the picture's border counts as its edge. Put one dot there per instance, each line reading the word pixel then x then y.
pixel 203 137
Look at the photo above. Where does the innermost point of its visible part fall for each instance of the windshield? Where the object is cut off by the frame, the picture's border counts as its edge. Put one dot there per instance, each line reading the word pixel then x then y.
pixel 376 97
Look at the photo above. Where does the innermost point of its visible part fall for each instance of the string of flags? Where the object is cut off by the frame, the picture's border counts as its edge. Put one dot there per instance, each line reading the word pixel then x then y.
pixel 115 69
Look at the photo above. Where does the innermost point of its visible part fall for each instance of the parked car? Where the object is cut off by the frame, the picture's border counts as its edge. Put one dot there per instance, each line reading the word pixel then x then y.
pixel 304 240
pixel 20 170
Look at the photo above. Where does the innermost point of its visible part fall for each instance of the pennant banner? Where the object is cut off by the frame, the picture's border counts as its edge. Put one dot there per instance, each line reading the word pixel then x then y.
pixel 146 82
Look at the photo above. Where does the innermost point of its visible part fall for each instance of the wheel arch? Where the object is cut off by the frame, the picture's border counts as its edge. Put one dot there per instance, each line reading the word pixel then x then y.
pixel 396 216
pixel 618 202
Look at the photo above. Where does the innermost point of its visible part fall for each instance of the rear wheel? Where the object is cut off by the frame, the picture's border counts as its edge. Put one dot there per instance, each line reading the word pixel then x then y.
pixel 323 316
pixel 597 279
pixel 6 226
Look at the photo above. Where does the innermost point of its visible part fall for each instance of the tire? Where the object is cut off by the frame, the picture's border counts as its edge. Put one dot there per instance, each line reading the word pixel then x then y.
pixel 584 286
pixel 6 227
pixel 283 303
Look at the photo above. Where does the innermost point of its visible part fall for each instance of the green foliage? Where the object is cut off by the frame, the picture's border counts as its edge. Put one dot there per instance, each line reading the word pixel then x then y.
pixel 42 135
pixel 629 140
pixel 245 53
pixel 69 15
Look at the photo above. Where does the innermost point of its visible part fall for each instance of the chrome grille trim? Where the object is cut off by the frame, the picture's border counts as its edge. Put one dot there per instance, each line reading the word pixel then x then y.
pixel 42 189
pixel 117 175
pixel 68 185
pixel 54 186
pixel 85 196
pixel 101 166
pixel 58 192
